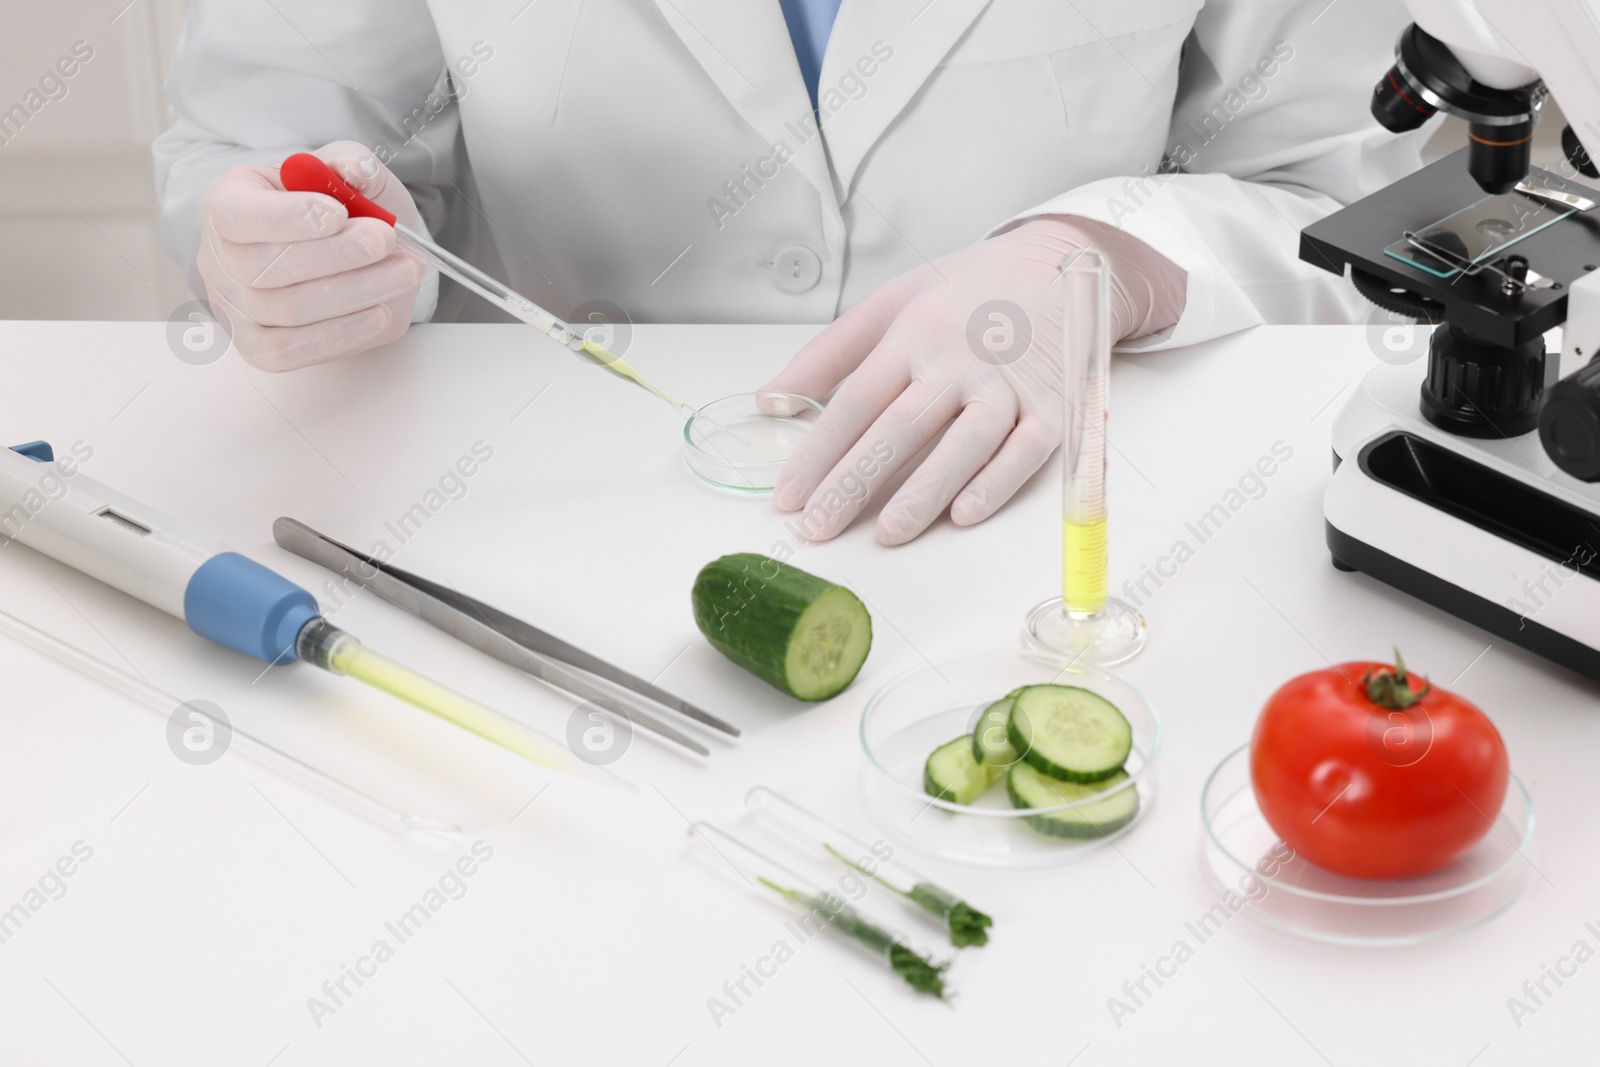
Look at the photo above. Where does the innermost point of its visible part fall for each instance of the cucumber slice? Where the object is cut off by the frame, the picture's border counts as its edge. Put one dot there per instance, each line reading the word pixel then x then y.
pixel 1028 788
pixel 952 774
pixel 801 634
pixel 990 742
pixel 1069 733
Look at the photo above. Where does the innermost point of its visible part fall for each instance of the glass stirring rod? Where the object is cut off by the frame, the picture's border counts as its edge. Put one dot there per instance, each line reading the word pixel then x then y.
pixel 305 173
pixel 269 756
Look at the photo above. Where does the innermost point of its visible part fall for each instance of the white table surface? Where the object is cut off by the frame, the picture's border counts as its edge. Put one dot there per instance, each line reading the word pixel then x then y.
pixel 219 899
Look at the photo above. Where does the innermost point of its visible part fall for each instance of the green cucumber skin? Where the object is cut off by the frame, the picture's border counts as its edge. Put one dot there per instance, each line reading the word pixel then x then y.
pixel 978 752
pixel 1054 827
pixel 749 606
pixel 1042 763
pixel 935 788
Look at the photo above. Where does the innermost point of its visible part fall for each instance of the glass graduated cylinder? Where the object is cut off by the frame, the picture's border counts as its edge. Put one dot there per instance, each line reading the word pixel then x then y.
pixel 1085 624
pixel 1084 562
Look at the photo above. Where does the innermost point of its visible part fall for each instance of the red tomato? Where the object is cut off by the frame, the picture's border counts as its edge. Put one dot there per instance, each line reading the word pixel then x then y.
pixel 1373 773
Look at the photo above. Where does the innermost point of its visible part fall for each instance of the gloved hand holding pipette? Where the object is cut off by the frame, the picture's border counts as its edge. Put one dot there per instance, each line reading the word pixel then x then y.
pixel 300 281
pixel 907 374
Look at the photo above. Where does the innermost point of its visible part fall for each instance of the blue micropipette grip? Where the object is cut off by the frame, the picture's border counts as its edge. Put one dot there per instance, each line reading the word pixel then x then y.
pixel 242 605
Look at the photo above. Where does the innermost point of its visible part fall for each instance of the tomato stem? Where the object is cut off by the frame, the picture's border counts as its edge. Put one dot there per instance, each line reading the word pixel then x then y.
pixel 1391 687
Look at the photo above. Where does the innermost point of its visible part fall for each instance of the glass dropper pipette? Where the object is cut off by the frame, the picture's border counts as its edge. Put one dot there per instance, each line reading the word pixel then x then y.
pixel 1085 624
pixel 305 173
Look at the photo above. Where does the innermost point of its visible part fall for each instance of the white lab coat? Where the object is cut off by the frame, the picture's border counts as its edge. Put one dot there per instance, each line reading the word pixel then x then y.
pixel 661 154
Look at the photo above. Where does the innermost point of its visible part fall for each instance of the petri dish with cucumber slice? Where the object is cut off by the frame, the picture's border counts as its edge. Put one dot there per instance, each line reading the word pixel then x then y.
pixel 1005 759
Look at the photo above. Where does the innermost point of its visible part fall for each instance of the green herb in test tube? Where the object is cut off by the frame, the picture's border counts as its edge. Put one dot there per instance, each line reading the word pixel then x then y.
pixel 968 925
pixel 921 973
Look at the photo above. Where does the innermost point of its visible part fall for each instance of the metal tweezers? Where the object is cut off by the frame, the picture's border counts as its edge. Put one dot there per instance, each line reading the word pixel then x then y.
pixel 505 637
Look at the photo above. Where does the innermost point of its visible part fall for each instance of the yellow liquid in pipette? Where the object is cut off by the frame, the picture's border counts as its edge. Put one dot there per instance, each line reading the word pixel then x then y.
pixel 617 365
pixel 352 658
pixel 1083 566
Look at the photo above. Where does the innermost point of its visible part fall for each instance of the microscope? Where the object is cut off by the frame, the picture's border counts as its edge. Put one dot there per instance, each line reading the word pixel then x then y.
pixel 1471 478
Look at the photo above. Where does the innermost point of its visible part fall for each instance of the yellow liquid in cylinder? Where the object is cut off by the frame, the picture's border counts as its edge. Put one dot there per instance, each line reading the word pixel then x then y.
pixel 1083 566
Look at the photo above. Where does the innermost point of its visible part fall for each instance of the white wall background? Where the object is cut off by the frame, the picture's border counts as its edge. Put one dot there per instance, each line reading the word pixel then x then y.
pixel 78 234
pixel 78 230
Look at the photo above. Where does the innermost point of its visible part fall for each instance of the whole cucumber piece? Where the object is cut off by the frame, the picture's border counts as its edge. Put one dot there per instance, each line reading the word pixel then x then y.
pixel 800 633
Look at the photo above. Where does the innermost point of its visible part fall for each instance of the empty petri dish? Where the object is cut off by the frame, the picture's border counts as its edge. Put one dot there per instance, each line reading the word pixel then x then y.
pixel 741 442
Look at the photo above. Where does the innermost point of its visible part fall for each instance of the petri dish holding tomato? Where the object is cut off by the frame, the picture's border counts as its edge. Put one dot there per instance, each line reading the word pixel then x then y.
pixel 1254 872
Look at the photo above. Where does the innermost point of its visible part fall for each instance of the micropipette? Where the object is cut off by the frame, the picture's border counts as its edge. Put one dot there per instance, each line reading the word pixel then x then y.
pixel 305 173
pixel 221 595
pixel 267 755
pixel 1086 624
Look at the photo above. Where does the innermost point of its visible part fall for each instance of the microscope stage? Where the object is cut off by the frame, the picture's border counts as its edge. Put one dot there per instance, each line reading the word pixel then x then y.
pixel 1358 235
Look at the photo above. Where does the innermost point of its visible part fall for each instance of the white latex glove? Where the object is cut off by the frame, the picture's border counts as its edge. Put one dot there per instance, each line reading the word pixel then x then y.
pixel 912 372
pixel 298 280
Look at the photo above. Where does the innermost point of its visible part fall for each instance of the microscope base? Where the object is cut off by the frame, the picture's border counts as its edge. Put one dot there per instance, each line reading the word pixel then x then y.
pixel 1350 554
pixel 1489 531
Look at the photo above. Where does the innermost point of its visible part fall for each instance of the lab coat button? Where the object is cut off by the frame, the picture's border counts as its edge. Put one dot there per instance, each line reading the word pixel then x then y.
pixel 797 269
